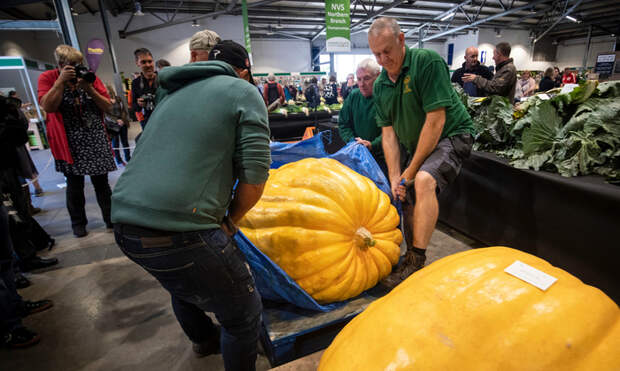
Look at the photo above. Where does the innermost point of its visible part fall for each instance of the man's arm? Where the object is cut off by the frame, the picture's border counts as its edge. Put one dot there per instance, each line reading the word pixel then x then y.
pixel 246 196
pixel 391 150
pixel 429 137
pixel 252 154
pixel 499 85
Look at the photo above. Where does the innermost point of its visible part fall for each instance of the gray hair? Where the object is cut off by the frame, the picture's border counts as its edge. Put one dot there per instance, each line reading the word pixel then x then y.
pixel 271 77
pixel 369 65
pixel 383 23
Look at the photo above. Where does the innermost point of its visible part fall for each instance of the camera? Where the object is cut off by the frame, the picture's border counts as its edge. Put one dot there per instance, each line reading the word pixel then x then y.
pixel 149 101
pixel 84 73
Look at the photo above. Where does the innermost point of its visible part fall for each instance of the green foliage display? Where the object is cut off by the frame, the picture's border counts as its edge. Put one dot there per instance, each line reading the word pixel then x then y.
pixel 572 134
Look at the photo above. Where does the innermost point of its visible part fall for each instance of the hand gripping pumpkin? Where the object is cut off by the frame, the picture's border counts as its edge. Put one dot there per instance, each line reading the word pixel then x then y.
pixel 464 312
pixel 329 228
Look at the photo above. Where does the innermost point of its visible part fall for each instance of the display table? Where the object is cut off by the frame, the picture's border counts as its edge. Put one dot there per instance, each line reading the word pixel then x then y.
pixel 290 332
pixel 573 223
pixel 291 127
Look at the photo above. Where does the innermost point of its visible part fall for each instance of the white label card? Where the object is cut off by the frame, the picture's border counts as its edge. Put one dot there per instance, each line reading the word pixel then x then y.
pixel 531 275
pixel 544 96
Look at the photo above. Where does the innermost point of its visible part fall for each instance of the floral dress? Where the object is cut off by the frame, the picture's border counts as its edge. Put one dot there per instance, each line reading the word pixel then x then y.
pixel 88 141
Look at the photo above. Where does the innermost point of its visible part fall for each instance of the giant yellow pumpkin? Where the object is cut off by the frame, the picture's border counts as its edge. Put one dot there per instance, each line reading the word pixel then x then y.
pixel 464 312
pixel 329 228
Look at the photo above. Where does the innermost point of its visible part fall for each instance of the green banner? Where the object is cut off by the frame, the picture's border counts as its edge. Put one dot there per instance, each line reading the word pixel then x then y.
pixel 246 29
pixel 338 25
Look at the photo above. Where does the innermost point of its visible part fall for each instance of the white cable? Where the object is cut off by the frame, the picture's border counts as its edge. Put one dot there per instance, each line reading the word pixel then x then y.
pixel 28 183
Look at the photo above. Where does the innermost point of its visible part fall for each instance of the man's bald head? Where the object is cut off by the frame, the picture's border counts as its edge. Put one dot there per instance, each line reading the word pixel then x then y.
pixel 471 57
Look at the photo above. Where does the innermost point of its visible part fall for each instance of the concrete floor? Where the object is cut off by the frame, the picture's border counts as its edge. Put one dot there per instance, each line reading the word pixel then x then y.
pixel 109 314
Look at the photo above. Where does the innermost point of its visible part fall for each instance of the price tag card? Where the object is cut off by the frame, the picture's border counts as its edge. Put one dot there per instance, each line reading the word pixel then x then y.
pixel 544 96
pixel 530 275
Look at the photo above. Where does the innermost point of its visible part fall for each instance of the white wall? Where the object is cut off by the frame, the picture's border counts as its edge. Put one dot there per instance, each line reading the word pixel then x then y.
pixel 171 43
pixel 570 53
pixel 519 42
pixel 281 56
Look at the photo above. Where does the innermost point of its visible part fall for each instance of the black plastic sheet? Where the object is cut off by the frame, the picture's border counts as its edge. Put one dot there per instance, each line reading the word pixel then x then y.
pixel 573 223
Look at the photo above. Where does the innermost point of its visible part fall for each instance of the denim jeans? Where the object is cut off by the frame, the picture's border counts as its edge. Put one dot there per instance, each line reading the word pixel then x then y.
pixel 124 141
pixel 202 271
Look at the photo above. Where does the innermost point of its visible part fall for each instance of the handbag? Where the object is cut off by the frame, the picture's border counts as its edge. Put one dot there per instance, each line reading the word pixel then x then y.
pixel 111 126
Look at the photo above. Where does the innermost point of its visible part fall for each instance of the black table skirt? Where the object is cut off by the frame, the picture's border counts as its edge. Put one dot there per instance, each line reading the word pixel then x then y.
pixel 573 223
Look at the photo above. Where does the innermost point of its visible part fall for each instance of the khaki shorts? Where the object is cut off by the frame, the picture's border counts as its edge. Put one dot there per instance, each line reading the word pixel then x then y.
pixel 445 162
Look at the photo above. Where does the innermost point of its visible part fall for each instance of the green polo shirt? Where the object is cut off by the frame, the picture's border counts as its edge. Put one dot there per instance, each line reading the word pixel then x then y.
pixel 422 86
pixel 357 118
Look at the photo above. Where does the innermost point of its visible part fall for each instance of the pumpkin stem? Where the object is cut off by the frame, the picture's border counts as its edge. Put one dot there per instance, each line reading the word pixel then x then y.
pixel 364 238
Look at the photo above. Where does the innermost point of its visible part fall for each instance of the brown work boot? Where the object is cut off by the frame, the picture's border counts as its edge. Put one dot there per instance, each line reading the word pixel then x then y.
pixel 410 264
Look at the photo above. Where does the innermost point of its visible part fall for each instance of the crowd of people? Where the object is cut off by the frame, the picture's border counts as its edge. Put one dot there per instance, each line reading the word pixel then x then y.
pixel 178 228
pixel 479 80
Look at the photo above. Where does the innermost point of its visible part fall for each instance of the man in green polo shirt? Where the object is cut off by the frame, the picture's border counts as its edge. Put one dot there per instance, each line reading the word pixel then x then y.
pixel 417 106
pixel 357 118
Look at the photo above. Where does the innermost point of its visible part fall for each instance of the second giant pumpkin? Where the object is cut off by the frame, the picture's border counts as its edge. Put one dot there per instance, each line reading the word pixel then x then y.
pixel 329 228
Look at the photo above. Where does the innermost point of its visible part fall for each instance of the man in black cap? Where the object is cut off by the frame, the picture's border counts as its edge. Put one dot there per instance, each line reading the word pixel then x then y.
pixel 179 228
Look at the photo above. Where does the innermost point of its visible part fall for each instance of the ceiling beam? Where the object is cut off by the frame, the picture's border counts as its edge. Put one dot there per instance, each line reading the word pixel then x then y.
pixel 560 19
pixel 28 25
pixel 190 19
pixel 484 20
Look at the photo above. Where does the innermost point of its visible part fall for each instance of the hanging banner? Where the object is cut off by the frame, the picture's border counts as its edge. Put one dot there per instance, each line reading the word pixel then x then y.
pixel 94 52
pixel 246 29
pixel 338 25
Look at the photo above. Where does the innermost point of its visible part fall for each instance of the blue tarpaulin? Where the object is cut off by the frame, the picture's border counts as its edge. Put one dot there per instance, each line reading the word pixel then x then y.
pixel 272 282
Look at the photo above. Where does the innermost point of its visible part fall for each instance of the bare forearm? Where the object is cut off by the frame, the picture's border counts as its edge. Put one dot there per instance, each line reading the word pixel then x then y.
pixel 391 151
pixel 429 137
pixel 246 196
pixel 52 99
pixel 101 101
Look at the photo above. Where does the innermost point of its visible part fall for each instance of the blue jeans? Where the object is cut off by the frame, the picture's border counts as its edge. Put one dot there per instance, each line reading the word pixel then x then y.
pixel 202 271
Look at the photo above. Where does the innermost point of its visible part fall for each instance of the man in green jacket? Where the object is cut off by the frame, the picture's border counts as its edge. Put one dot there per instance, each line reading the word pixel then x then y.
pixel 357 118
pixel 172 206
pixel 418 107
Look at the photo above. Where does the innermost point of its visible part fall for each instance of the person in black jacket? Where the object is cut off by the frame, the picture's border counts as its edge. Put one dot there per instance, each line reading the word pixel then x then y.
pixel 471 65
pixel 331 91
pixel 143 87
pixel 312 94
pixel 26 234
pixel 547 82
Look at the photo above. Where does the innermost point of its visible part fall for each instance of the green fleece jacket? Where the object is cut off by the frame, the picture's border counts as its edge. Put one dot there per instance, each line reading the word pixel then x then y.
pixel 208 130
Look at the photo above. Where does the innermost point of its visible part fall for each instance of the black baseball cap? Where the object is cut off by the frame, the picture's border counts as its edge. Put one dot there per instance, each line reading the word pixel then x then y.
pixel 232 53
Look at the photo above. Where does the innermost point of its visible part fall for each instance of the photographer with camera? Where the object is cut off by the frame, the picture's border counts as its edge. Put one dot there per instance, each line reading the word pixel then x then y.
pixel 143 87
pixel 75 100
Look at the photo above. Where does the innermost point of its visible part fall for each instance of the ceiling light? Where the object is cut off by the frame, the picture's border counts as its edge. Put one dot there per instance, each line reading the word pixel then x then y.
pixel 498 33
pixel 270 31
pixel 195 23
pixel 447 16
pixel 73 12
pixel 138 8
pixel 572 19
pixel 279 25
